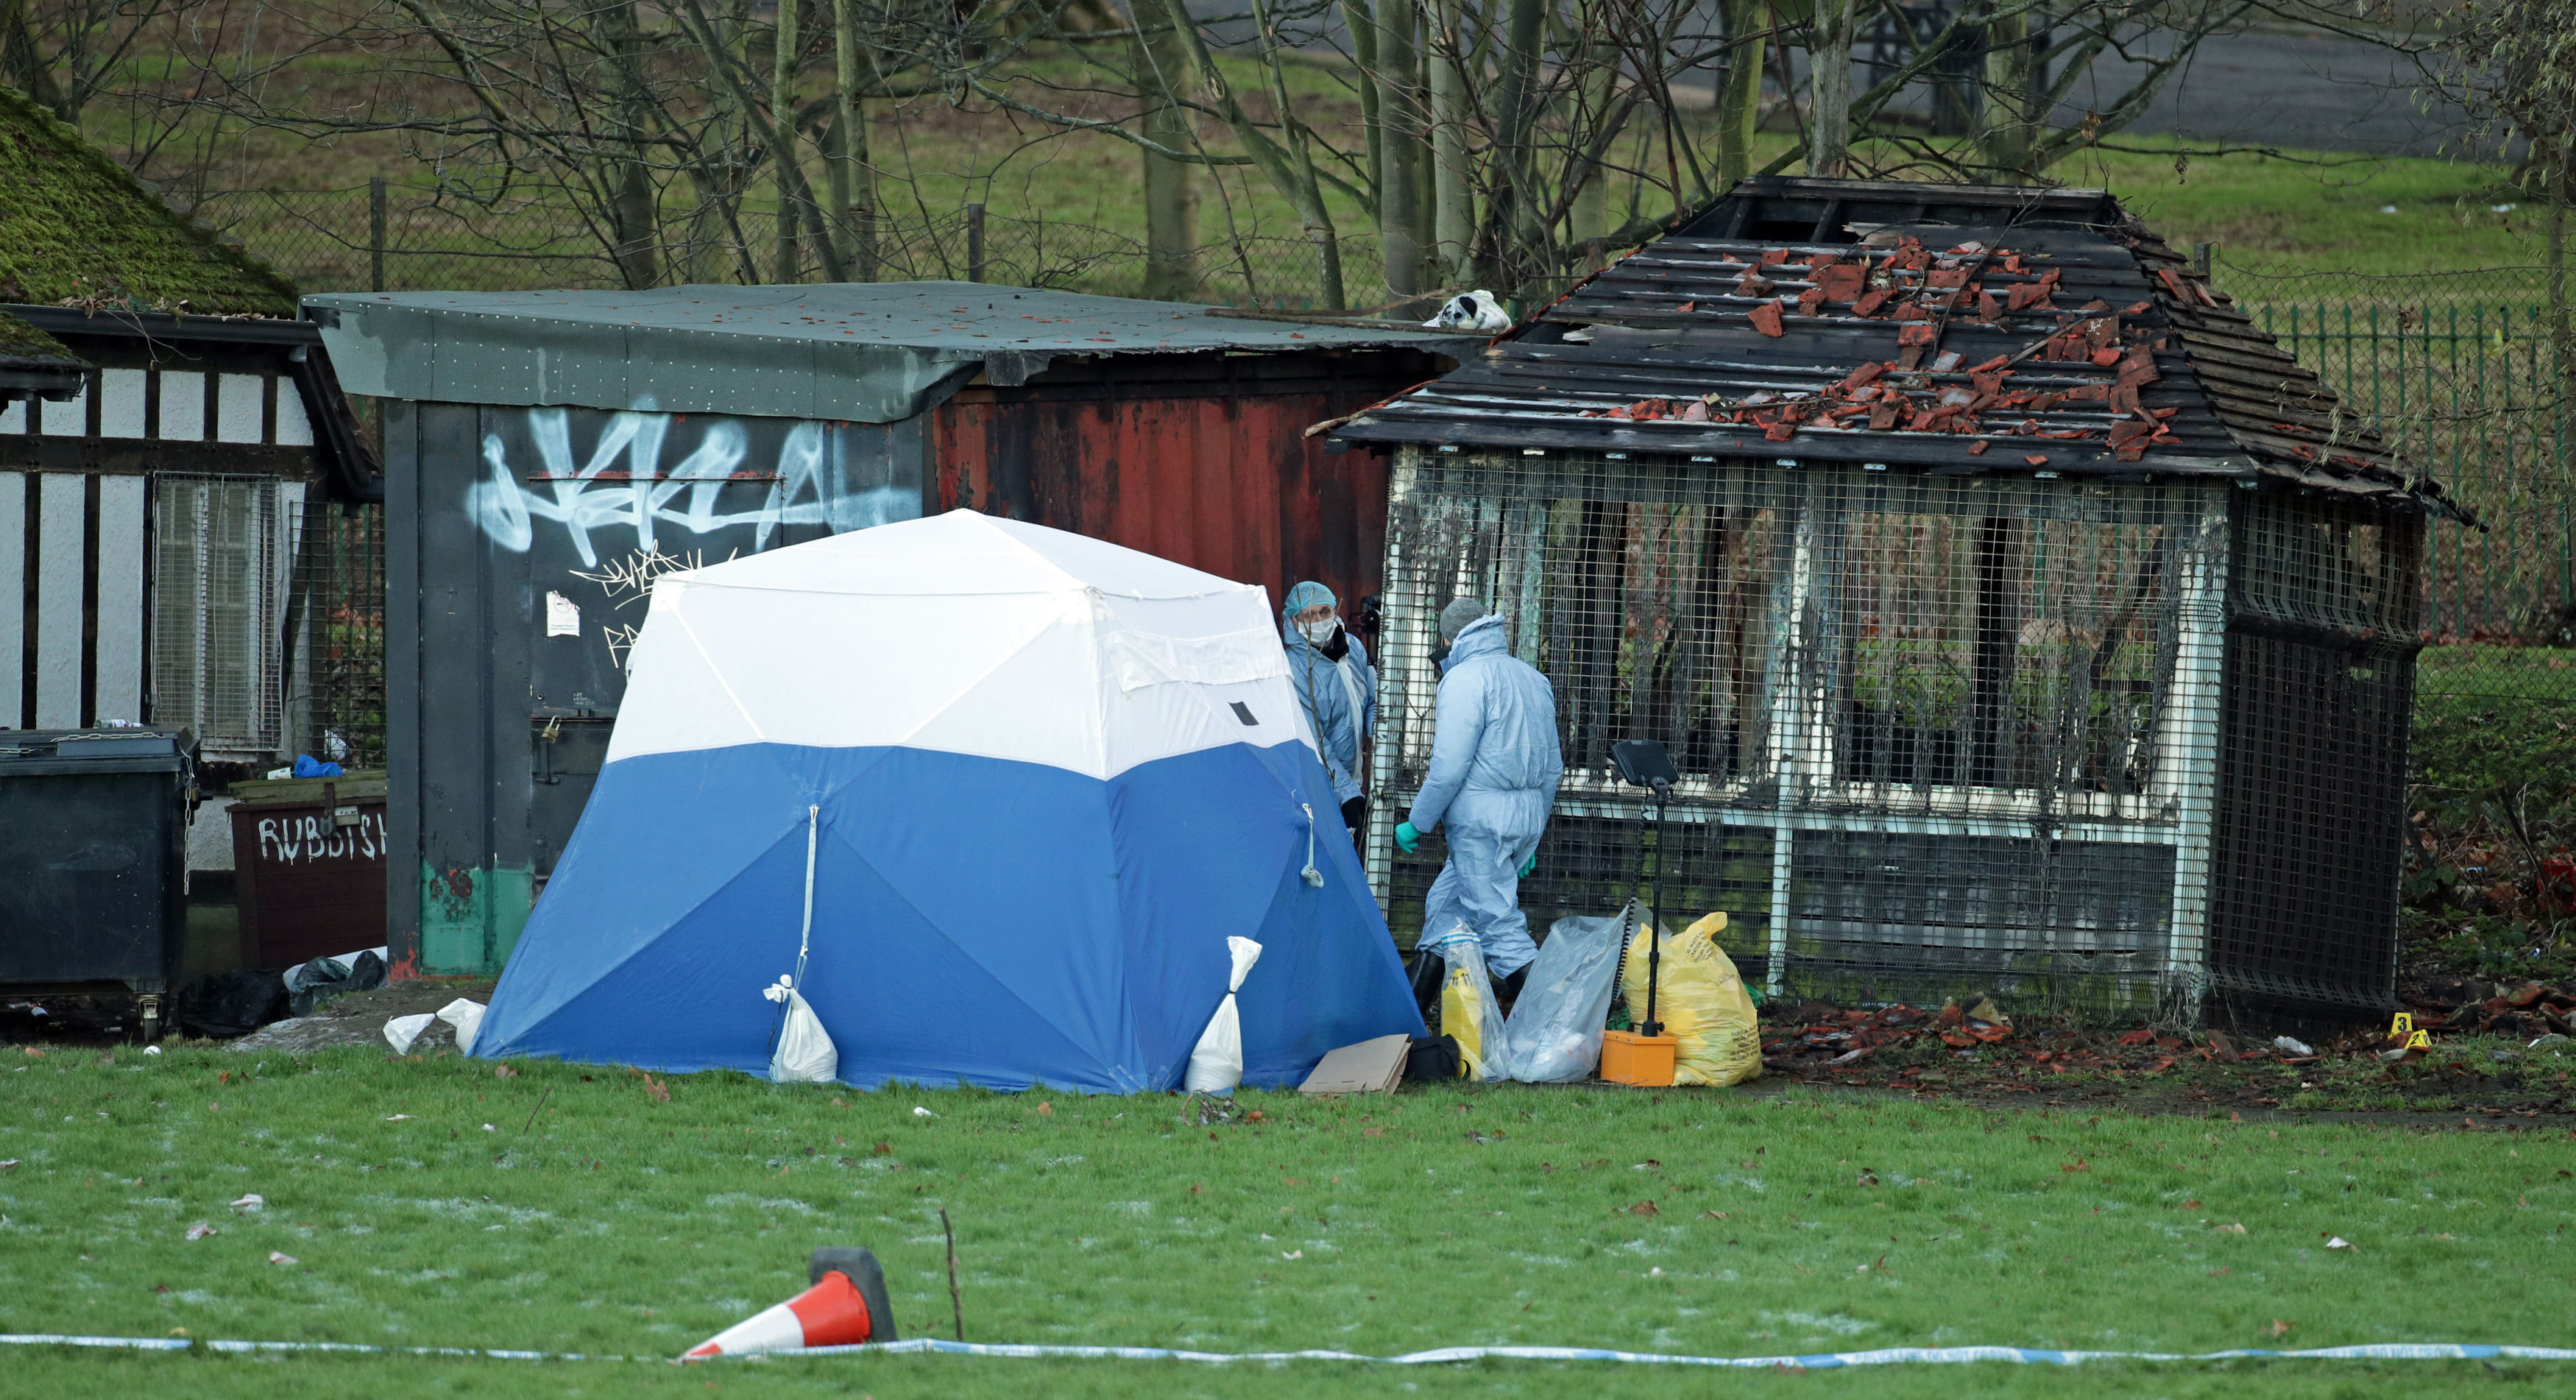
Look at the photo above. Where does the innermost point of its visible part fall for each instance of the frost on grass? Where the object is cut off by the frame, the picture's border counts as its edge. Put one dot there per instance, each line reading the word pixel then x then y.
pixel 1815 1324
pixel 772 1205
pixel 459 1208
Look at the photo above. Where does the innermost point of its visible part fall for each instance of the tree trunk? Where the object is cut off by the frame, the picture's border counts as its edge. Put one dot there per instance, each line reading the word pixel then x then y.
pixel 633 206
pixel 2009 127
pixel 1588 221
pixel 1361 23
pixel 2562 338
pixel 715 227
pixel 790 261
pixel 1739 101
pixel 852 179
pixel 23 66
pixel 1308 191
pixel 1289 169
pixel 794 194
pixel 631 215
pixel 1524 30
pixel 1164 81
pixel 1399 142
pixel 1453 195
pixel 1829 76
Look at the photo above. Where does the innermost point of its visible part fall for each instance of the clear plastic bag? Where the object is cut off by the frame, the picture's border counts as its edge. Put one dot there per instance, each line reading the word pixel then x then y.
pixel 1216 1062
pixel 805 1053
pixel 1467 1013
pixel 1555 1028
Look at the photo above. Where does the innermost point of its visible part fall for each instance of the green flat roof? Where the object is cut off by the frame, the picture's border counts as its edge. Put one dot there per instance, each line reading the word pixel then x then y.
pixel 871 352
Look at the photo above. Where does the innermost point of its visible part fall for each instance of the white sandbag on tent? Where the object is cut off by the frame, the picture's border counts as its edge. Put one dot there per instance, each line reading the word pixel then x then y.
pixel 1216 1065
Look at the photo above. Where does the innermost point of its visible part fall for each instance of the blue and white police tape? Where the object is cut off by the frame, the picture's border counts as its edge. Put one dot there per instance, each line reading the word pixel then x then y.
pixel 1884 1356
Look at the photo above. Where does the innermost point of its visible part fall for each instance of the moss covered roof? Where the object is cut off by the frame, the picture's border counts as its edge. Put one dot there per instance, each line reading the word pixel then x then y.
pixel 77 226
pixel 22 347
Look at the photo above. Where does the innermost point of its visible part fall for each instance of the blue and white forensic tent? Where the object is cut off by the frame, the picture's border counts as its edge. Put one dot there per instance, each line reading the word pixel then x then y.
pixel 1045 779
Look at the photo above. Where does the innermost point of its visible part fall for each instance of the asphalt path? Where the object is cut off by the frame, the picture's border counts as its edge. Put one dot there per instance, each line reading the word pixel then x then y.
pixel 2287 91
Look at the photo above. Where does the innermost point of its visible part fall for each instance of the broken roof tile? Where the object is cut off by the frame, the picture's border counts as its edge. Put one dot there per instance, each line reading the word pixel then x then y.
pixel 2172 381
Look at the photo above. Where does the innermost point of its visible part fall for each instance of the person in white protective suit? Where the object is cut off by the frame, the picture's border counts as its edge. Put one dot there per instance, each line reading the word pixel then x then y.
pixel 1338 689
pixel 1494 771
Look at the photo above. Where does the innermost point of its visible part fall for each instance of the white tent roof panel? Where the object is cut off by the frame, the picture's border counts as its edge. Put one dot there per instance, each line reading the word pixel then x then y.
pixel 961 634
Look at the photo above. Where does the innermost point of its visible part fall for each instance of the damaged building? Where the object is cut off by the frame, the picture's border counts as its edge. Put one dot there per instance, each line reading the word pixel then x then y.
pixel 2020 616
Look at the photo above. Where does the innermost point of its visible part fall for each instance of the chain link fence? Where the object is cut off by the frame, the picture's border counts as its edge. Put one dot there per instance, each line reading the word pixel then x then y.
pixel 383 237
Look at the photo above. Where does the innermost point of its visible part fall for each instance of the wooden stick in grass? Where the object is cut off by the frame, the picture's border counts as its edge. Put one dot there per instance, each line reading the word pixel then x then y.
pixel 956 1302
pixel 540 1108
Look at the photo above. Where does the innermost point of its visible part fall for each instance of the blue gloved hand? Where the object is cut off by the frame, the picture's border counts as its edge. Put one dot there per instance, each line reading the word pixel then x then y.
pixel 1529 866
pixel 1406 838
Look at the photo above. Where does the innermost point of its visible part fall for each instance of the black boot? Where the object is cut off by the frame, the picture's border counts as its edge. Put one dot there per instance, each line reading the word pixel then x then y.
pixel 1428 969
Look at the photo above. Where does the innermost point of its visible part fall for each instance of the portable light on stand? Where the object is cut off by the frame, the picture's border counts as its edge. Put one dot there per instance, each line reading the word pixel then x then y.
pixel 1645 1055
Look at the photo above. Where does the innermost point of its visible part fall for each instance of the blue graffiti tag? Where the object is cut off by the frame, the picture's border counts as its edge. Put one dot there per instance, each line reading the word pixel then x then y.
pixel 644 498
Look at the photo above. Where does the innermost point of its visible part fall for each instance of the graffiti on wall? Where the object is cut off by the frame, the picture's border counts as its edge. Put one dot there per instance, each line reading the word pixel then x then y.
pixel 709 489
pixel 629 581
pixel 305 840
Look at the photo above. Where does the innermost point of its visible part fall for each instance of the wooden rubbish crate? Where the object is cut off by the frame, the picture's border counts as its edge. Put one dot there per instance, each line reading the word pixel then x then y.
pixel 309 866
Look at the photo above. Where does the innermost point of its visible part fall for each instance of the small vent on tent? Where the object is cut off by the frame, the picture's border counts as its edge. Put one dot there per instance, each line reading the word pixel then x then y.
pixel 1244 712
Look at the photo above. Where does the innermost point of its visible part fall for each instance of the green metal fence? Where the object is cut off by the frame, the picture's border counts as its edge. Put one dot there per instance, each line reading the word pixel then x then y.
pixel 2467 374
pixel 2474 394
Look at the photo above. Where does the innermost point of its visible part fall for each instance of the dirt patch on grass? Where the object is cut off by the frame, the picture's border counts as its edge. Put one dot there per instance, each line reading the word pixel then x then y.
pixel 359 1018
pixel 2151 1070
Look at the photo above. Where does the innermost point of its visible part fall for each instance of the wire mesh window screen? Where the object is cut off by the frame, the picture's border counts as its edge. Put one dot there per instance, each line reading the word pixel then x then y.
pixel 1641 590
pixel 1926 725
pixel 216 611
pixel 340 576
pixel 2312 799
pixel 2008 635
pixel 1959 634
pixel 2349 570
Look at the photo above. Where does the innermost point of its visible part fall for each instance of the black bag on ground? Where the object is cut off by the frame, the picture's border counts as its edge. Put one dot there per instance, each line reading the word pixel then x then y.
pixel 1430 1059
pixel 230 1004
pixel 310 984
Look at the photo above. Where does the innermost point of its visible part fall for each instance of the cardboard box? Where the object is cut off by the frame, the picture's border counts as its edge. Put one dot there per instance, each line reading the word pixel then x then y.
pixel 1370 1067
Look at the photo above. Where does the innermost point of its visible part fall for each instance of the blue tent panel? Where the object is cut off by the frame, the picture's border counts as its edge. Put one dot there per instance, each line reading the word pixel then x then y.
pixel 1001 923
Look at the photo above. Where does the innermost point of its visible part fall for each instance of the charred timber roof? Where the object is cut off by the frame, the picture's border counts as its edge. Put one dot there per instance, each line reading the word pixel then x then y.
pixel 1956 328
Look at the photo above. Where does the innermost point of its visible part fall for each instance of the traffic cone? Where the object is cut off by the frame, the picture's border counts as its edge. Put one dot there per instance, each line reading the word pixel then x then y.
pixel 846 1306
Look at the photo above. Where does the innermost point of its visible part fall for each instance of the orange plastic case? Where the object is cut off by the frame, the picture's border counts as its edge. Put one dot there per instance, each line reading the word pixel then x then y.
pixel 1630 1058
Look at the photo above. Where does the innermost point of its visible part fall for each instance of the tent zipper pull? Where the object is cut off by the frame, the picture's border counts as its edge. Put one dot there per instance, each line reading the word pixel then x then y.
pixel 1313 876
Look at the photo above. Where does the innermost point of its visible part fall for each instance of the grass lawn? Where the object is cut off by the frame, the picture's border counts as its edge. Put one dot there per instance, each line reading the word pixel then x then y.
pixel 592 1216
